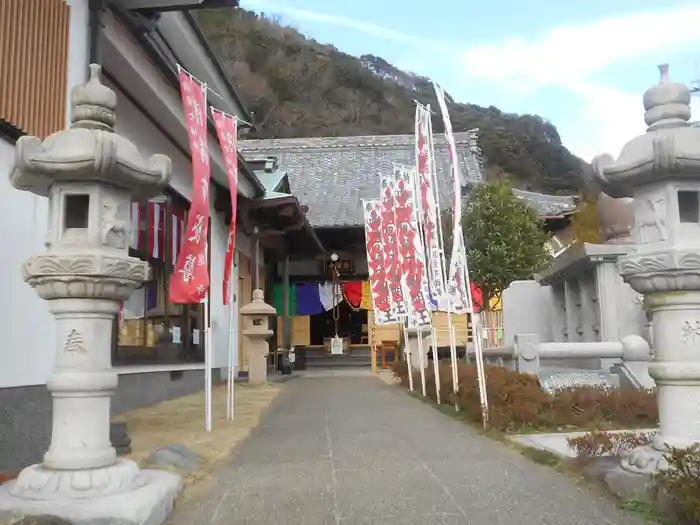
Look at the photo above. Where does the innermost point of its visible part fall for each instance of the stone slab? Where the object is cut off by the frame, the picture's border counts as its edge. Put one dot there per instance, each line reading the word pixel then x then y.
pixel 178 456
pixel 149 505
pixel 557 444
pixel 353 450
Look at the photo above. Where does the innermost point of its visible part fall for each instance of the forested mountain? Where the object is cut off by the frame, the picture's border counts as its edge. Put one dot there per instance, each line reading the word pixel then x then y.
pixel 297 87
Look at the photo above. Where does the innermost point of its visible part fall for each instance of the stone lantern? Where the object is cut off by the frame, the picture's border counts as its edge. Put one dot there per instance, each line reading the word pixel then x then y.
pixel 90 175
pixel 256 331
pixel 661 171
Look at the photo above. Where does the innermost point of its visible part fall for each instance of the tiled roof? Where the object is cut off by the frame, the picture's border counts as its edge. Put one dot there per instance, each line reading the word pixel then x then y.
pixel 547 205
pixel 331 175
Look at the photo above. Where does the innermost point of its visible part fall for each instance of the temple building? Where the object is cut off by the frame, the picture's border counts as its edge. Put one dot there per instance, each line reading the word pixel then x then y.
pixel 331 176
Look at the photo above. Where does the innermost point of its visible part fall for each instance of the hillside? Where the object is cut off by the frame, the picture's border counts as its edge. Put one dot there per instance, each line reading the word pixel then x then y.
pixel 297 87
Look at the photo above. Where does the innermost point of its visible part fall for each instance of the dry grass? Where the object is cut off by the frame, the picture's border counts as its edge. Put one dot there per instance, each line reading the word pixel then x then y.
pixel 181 421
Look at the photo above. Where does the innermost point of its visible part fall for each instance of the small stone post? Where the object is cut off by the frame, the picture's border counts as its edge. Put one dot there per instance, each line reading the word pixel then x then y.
pixel 661 171
pixel 256 332
pixel 90 175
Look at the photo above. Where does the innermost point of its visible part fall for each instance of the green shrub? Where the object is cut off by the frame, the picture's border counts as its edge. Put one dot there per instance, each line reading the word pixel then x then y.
pixel 682 481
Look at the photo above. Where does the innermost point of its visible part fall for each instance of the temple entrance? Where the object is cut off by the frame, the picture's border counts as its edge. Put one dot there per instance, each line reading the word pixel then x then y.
pixel 352 325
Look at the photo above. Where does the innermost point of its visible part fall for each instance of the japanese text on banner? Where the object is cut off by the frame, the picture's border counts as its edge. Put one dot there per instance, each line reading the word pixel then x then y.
pixel 390 245
pixel 427 204
pixel 381 298
pixel 411 255
pixel 190 280
pixel 227 131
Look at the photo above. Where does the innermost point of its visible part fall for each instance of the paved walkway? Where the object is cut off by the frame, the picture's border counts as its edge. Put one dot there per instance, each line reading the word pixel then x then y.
pixel 353 450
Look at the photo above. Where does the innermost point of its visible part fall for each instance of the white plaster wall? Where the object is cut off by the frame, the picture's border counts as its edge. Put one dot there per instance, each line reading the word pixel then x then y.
pixel 132 124
pixel 26 327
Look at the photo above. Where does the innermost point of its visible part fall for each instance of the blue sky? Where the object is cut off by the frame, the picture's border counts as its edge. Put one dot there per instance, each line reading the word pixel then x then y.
pixel 583 65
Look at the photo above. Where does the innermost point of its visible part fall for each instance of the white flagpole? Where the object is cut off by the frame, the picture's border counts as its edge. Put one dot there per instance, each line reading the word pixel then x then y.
pixel 441 244
pixel 230 401
pixel 407 349
pixel 207 366
pixel 436 364
pixel 417 183
pixel 419 335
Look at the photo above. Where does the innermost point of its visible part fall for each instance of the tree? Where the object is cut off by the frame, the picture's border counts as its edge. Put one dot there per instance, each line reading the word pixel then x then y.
pixel 585 226
pixel 505 239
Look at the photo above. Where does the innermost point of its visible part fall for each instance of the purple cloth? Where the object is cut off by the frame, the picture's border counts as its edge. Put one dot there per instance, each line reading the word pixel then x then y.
pixel 308 300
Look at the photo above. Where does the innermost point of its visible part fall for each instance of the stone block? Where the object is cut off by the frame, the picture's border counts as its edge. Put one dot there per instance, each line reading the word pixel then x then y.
pixel 148 505
pixel 178 456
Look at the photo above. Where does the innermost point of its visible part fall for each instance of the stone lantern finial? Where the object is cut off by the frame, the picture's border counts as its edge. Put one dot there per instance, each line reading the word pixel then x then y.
pixel 93 104
pixel 667 103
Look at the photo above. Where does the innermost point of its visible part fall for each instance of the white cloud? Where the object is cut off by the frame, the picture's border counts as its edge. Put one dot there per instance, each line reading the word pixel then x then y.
pixel 360 26
pixel 568 57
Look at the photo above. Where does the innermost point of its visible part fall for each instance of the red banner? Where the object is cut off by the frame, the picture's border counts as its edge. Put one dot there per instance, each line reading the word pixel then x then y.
pixel 381 298
pixel 190 280
pixel 227 130
pixel 411 253
pixel 390 244
pixel 428 209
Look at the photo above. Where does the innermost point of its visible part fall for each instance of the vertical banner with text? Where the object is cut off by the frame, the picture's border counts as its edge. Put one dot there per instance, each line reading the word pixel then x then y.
pixel 427 204
pixel 190 280
pixel 457 278
pixel 411 253
pixel 381 297
pixel 390 244
pixel 227 131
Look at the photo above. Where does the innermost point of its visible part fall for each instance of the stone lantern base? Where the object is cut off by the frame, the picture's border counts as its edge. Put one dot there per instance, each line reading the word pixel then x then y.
pixel 119 494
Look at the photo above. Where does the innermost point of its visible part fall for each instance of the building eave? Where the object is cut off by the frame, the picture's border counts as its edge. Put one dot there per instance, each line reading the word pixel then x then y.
pixel 169 71
pixel 192 21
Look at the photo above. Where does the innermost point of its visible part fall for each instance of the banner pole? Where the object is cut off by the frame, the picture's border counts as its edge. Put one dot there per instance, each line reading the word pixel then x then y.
pixel 441 244
pixel 207 366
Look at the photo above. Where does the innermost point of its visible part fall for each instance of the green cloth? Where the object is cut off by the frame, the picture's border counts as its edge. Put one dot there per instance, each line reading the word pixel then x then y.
pixel 278 299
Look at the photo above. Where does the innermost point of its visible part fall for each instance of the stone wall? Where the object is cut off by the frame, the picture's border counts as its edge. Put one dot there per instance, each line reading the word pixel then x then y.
pixel 25 418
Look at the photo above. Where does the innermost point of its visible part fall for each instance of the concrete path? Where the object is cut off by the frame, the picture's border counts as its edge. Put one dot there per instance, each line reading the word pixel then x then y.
pixel 353 450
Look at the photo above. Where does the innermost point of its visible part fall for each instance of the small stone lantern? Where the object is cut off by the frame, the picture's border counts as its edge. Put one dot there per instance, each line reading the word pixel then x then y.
pixel 90 175
pixel 256 332
pixel 661 171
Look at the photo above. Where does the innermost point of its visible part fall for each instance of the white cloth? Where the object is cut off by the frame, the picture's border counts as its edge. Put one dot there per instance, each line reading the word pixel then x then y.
pixel 329 295
pixel 134 305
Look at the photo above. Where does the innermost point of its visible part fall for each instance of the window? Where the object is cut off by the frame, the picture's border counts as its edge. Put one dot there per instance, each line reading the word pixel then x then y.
pixel 150 328
pixel 688 207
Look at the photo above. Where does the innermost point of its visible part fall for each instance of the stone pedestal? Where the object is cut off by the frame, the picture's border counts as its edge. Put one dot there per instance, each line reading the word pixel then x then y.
pixel 256 332
pixel 89 173
pixel 661 171
pixel 414 347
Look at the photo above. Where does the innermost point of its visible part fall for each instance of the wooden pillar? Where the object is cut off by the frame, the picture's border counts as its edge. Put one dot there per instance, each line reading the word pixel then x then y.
pixel 286 321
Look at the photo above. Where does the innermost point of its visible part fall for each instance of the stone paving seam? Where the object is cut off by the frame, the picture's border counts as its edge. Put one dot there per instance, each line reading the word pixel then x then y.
pixel 334 477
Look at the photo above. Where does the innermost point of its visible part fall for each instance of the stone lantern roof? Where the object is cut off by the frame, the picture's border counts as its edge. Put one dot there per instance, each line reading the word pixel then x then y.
pixel 669 148
pixel 89 151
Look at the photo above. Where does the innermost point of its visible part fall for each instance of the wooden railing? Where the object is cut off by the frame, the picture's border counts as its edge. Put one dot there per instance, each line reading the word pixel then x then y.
pixel 33 65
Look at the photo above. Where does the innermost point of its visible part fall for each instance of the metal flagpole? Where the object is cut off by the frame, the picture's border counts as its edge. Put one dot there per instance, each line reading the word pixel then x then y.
pixel 436 364
pixel 441 244
pixel 231 379
pixel 421 233
pixel 408 356
pixel 207 366
pixel 422 362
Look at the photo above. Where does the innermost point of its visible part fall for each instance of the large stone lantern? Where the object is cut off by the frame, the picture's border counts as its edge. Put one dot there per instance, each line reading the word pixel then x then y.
pixel 90 174
pixel 256 332
pixel 661 171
